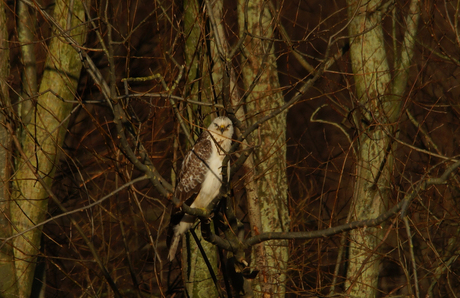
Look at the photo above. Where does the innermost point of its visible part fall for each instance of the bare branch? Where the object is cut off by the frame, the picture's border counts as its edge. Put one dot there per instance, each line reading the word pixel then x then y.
pixel 67 213
pixel 148 168
pixel 90 245
pixel 412 255
pixel 401 206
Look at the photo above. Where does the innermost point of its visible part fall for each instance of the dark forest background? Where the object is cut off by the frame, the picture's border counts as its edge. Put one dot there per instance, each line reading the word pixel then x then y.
pixel 417 254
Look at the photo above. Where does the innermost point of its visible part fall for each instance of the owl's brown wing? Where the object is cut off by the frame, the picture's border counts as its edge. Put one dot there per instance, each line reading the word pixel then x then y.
pixel 192 175
pixel 194 169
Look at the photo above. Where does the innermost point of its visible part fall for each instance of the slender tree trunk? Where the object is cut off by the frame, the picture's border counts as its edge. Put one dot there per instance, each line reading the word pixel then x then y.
pixel 8 285
pixel 380 109
pixel 43 139
pixel 372 186
pixel 259 68
pixel 228 90
pixel 26 26
pixel 197 277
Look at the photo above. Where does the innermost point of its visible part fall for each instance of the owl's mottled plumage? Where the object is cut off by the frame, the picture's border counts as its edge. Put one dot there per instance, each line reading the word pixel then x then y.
pixel 200 177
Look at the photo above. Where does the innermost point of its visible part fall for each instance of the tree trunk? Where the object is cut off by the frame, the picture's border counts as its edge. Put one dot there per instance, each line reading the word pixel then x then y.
pixel 43 140
pixel 8 285
pixel 380 108
pixel 26 25
pixel 197 277
pixel 270 155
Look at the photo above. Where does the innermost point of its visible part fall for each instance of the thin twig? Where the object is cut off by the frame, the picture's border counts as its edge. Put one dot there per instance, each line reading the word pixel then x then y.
pixel 88 63
pixel 400 207
pixel 423 131
pixel 312 119
pixel 412 256
pixel 67 213
pixel 90 245
pixel 175 97
pixel 148 168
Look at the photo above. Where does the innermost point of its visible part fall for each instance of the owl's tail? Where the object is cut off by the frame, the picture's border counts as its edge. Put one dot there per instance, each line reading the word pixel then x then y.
pixel 180 229
pixel 173 247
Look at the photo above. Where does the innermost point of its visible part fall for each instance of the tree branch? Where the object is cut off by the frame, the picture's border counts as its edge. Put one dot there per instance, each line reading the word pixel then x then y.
pixel 90 245
pixel 401 206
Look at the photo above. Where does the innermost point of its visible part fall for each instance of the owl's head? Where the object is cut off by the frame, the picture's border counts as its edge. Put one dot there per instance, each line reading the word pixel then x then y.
pixel 221 126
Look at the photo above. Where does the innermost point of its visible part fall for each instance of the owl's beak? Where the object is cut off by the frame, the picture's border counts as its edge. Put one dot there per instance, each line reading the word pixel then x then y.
pixel 222 128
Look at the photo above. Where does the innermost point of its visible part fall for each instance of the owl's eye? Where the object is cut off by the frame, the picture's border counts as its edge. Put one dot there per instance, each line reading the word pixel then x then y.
pixel 229 125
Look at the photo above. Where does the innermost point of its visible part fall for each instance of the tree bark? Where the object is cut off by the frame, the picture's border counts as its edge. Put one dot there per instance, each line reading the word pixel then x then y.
pixel 197 277
pixel 380 108
pixel 259 68
pixel 372 185
pixel 8 285
pixel 26 25
pixel 43 140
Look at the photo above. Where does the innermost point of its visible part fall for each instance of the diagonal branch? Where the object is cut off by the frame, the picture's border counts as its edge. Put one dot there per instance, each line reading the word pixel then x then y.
pixel 88 242
pixel 120 116
pixel 400 207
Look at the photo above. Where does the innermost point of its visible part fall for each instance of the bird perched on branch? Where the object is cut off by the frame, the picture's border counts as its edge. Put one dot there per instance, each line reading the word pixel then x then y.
pixel 200 177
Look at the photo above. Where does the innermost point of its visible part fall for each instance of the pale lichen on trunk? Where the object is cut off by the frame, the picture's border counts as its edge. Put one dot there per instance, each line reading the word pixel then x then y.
pixel 26 26
pixel 370 67
pixel 197 277
pixel 259 62
pixel 43 140
pixel 380 105
pixel 8 285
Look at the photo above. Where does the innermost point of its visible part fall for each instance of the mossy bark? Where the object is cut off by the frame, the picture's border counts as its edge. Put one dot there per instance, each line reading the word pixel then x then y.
pixel 8 285
pixel 372 186
pixel 43 139
pixel 379 102
pixel 197 278
pixel 26 27
pixel 259 62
